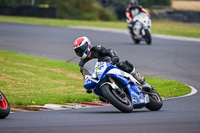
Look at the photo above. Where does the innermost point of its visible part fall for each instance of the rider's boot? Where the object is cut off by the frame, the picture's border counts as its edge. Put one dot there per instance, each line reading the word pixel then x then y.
pixel 128 67
pixel 137 76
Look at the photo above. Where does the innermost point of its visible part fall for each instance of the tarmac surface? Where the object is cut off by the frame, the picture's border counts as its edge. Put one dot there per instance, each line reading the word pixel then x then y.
pixel 166 58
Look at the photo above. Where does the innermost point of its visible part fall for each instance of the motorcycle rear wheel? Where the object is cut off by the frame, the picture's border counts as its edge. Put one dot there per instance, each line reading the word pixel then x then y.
pixel 155 101
pixel 136 41
pixel 116 102
pixel 4 107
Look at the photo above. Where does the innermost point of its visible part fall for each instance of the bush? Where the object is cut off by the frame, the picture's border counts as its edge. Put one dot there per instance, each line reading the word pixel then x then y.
pixel 72 9
pixel 82 10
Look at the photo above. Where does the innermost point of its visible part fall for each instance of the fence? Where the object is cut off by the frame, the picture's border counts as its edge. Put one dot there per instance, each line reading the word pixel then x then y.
pixel 31 11
pixel 184 16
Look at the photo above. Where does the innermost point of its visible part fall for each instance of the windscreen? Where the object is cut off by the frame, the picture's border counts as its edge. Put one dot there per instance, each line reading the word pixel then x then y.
pixel 89 67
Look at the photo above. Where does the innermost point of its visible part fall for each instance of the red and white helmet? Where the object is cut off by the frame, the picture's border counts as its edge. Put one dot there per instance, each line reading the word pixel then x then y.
pixel 82 47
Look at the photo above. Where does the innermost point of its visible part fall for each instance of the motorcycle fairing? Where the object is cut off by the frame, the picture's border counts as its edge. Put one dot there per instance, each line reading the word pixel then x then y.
pixel 137 97
pixel 104 71
pixel 89 83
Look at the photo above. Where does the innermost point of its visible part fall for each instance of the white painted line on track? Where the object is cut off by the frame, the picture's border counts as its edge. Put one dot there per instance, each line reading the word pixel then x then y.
pixel 193 91
pixel 126 32
pixel 176 37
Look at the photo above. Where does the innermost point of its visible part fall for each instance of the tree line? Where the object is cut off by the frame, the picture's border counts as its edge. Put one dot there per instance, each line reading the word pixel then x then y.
pixel 83 9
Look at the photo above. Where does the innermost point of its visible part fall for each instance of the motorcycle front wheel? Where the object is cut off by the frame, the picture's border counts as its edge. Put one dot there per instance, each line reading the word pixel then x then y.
pixel 4 106
pixel 122 103
pixel 147 37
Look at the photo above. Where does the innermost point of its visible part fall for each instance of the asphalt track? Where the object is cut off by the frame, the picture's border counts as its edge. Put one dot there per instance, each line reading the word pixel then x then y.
pixel 165 58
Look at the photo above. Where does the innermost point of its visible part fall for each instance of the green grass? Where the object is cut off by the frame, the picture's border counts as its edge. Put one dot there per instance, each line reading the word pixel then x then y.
pixel 168 88
pixel 28 80
pixel 166 27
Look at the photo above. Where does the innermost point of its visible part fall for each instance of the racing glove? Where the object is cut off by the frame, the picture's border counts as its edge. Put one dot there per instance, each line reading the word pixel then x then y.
pixel 115 60
pixel 88 91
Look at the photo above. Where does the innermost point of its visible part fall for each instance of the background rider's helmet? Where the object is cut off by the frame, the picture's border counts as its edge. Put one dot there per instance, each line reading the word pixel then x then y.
pixel 133 2
pixel 82 47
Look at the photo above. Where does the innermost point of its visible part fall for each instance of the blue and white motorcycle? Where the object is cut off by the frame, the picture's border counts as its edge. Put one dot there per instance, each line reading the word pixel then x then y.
pixel 119 88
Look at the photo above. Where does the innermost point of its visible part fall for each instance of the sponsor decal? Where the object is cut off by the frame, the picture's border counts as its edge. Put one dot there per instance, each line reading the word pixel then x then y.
pixel 141 100
pixel 134 100
pixel 129 86
pixel 97 67
pixel 146 99
pixel 121 77
pixel 122 73
pixel 100 66
pixel 87 81
pixel 135 94
pixel 99 72
pixel 99 47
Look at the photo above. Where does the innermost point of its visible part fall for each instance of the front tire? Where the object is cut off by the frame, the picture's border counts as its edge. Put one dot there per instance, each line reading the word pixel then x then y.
pixel 4 107
pixel 125 107
pixel 147 37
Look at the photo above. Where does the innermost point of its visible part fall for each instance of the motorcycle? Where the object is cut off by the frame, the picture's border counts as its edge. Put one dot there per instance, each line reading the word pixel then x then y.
pixel 4 106
pixel 140 28
pixel 119 88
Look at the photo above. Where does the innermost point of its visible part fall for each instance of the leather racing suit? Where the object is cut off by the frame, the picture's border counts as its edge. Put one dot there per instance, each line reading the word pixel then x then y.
pixel 109 55
pixel 102 54
pixel 132 11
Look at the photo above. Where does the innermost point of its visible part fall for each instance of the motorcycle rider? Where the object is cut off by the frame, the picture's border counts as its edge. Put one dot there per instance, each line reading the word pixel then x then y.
pixel 84 49
pixel 134 9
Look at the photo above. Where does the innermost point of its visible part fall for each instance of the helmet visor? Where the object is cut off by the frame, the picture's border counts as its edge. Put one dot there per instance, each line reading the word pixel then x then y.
pixel 80 50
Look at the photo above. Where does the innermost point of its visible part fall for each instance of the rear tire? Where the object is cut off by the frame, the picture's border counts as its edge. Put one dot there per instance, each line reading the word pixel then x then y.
pixel 110 96
pixel 4 107
pixel 155 102
pixel 136 41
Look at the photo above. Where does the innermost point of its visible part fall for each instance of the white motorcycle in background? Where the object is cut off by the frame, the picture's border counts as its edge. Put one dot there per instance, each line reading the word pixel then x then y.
pixel 140 30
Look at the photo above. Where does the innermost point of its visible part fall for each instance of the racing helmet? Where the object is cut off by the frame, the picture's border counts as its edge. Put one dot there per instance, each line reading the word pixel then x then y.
pixel 82 47
pixel 134 2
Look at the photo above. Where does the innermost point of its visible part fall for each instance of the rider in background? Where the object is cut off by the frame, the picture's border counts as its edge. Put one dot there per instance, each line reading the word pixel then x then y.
pixel 134 9
pixel 84 49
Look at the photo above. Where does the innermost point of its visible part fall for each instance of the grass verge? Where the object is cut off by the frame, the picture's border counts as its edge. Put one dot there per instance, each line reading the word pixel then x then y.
pixel 166 27
pixel 28 80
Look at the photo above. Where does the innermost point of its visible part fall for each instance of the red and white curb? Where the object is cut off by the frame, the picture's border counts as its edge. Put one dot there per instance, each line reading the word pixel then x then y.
pixel 69 106
pixel 12 110
pixel 49 107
